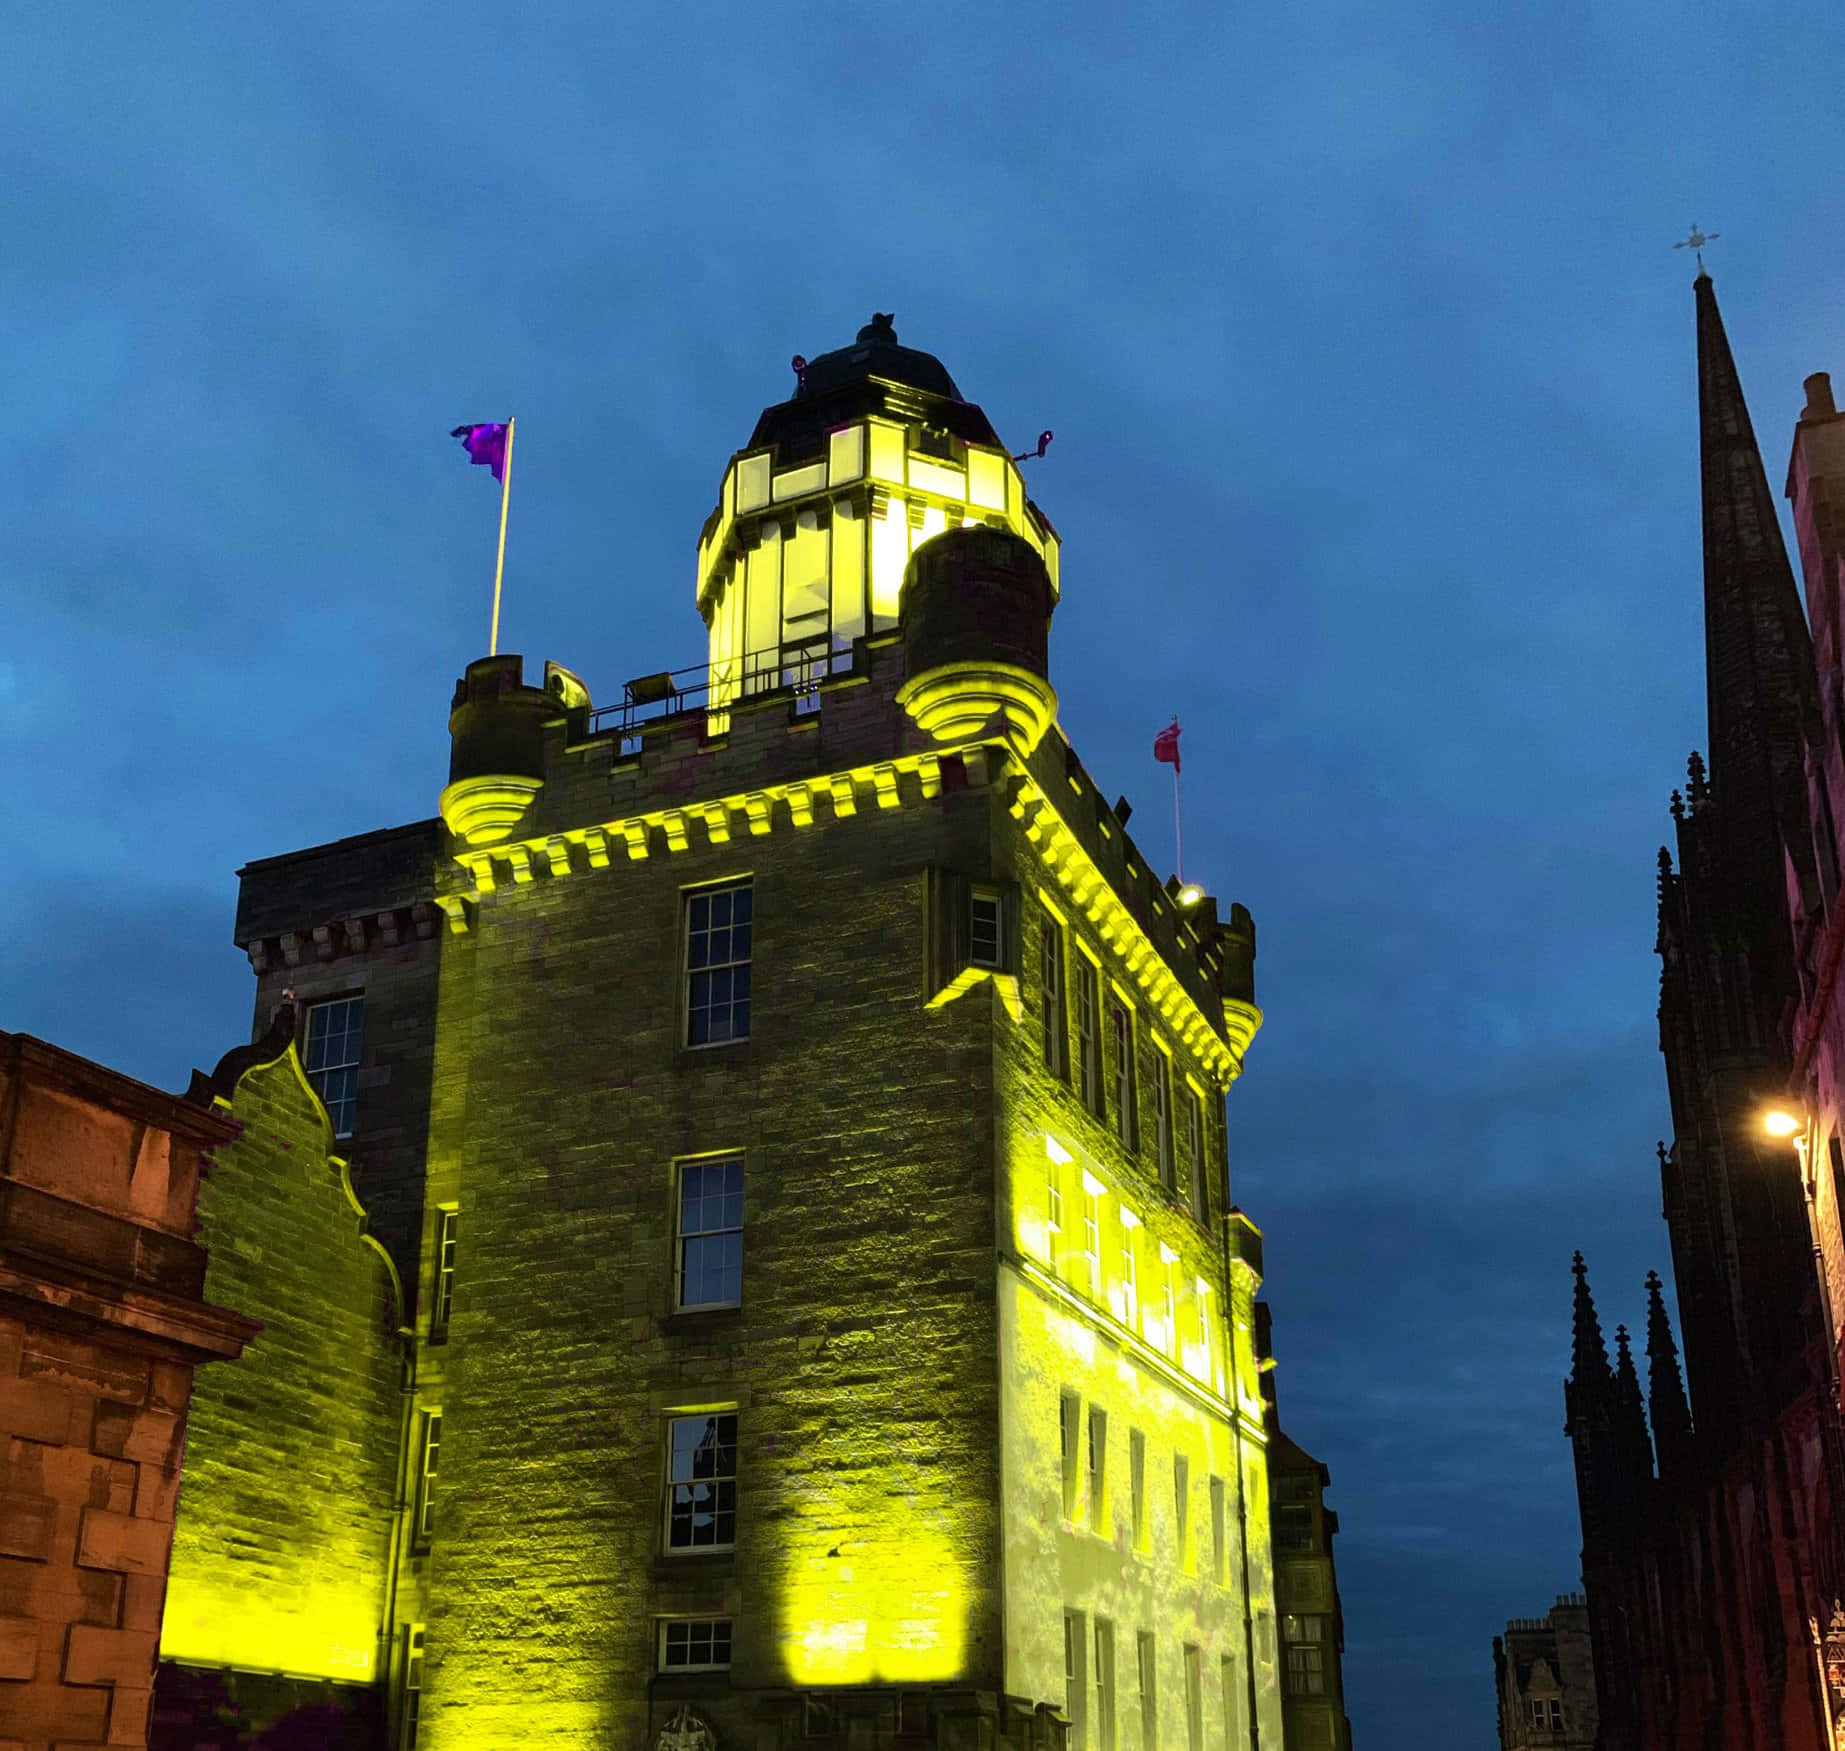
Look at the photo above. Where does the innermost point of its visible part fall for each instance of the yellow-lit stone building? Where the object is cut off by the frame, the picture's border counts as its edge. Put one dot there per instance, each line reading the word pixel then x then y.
pixel 779 1120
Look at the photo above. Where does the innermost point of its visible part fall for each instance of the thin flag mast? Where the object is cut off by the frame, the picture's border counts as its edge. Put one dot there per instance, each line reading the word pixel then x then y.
pixel 491 446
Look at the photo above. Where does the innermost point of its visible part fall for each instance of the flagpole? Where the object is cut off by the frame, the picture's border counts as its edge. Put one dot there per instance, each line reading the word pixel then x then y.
pixel 1178 839
pixel 499 565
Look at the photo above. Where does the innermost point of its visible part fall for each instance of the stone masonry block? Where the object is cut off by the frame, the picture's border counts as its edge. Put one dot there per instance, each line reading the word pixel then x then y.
pixel 27 1525
pixel 35 1410
pixel 110 1656
pixel 148 1437
pixel 107 1540
pixel 18 1647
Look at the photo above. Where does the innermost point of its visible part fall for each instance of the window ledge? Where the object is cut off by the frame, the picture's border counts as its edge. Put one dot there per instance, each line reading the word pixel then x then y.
pixel 689 1321
pixel 684 1565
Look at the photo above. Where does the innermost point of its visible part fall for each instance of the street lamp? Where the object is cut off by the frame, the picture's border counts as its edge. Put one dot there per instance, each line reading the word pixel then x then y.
pixel 1780 1121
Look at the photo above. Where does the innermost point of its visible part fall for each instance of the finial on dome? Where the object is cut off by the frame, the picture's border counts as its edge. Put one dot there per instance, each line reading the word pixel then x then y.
pixel 880 330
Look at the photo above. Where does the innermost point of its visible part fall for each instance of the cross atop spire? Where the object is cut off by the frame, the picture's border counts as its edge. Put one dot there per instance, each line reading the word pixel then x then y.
pixel 1696 241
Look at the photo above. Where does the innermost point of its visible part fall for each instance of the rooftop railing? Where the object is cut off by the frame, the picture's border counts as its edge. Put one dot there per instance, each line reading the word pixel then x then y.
pixel 714 686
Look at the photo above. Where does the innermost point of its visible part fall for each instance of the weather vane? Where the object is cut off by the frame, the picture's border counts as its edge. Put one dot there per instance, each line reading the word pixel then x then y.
pixel 1696 242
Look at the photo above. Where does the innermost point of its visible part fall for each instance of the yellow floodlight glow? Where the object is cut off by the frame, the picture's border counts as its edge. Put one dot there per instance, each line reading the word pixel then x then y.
pixel 1190 894
pixel 1780 1122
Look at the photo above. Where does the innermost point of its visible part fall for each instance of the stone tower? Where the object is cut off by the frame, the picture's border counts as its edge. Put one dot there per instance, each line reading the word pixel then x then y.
pixel 794 1107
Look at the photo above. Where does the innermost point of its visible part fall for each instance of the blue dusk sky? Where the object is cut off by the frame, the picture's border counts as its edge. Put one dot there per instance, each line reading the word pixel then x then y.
pixel 1371 368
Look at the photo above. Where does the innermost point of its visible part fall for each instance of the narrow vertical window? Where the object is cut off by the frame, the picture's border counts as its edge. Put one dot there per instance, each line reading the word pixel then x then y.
pixel 1050 987
pixel 1075 1695
pixel 1088 1038
pixel 443 1302
pixel 411 1706
pixel 1070 1419
pixel 1121 1019
pixel 1233 1702
pixel 701 1490
pixel 1194 1696
pixel 1162 1111
pixel 1219 1554
pixel 1169 1264
pixel 1146 1664
pixel 1137 1486
pixel 1053 1194
pixel 1303 1642
pixel 1092 1238
pixel 1098 1469
pixel 1194 1147
pixel 710 1261
pixel 1104 1717
pixel 1201 1305
pixel 1182 1508
pixel 1130 1270
pixel 985 929
pixel 335 1036
pixel 429 1456
pixel 717 958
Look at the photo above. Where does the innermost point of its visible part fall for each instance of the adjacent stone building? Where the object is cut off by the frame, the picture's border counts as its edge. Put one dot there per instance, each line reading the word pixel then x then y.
pixel 1544 1673
pixel 1712 1549
pixel 1307 1604
pixel 793 1107
pixel 103 1320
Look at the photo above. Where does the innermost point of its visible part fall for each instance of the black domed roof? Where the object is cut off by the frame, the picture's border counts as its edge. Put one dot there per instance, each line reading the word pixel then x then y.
pixel 873 375
pixel 876 354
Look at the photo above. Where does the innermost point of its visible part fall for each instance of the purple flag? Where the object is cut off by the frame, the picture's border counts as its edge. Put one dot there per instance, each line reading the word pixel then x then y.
pixel 484 445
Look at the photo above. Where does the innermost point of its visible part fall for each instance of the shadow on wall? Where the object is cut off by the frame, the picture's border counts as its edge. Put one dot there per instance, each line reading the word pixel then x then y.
pixel 200 1710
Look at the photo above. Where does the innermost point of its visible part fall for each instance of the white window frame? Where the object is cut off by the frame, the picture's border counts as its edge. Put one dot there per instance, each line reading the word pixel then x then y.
pixel 674 1483
pixel 690 1624
pixel 1130 1270
pixel 691 898
pixel 442 1300
pixel 410 1701
pixel 342 1107
pixel 682 1236
pixel 981 899
pixel 428 1474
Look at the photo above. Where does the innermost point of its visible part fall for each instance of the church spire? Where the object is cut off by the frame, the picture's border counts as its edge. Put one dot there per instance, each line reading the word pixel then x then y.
pixel 1671 1415
pixel 1630 1411
pixel 1588 1349
pixel 1758 656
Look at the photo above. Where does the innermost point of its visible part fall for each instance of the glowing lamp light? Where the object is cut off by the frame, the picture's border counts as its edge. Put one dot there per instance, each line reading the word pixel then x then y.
pixel 1779 1122
pixel 1190 894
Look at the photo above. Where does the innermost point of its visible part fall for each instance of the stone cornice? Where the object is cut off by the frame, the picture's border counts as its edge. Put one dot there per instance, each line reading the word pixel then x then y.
pixel 1218 1045
pixel 880 784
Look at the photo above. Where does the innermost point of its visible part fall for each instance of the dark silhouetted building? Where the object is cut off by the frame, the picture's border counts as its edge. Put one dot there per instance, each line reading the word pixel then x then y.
pixel 1711 1552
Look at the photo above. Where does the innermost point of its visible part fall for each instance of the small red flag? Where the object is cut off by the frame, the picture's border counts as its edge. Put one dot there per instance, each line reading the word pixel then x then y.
pixel 1166 745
